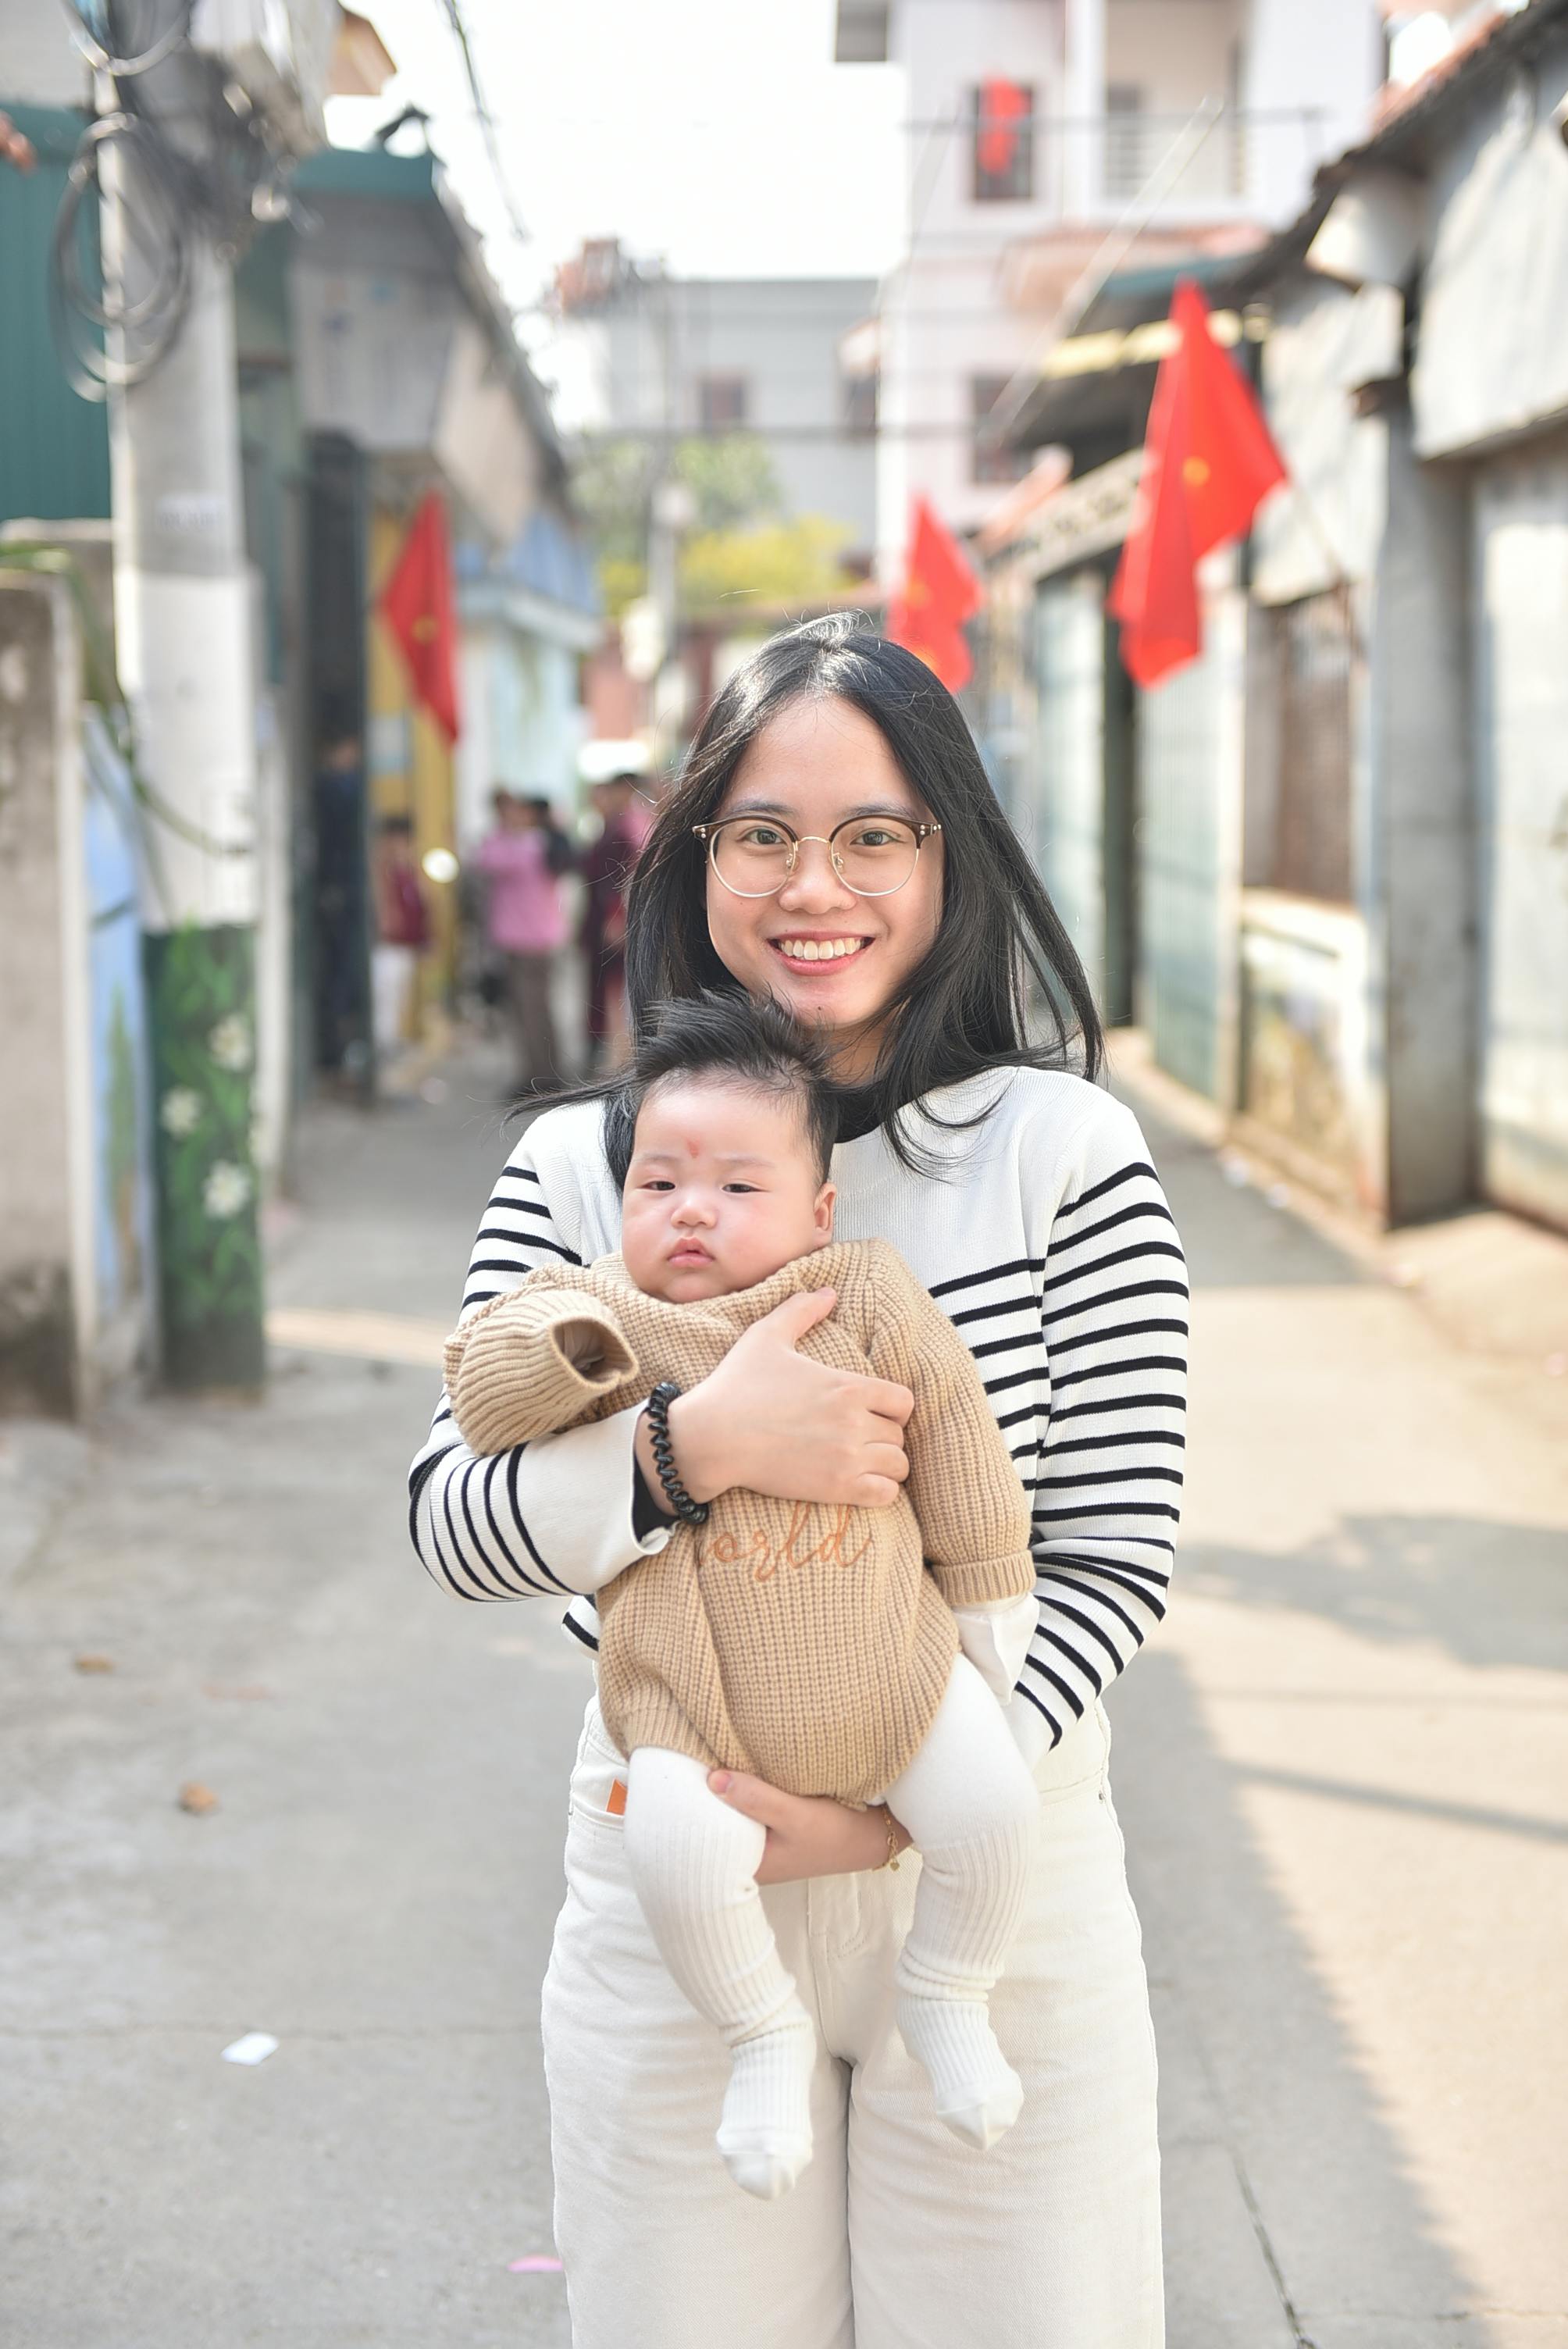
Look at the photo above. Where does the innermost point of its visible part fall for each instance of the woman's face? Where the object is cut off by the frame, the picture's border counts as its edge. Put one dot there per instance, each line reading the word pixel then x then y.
pixel 817 763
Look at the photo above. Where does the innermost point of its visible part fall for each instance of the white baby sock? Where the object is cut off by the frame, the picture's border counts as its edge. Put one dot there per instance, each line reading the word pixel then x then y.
pixel 764 2135
pixel 971 1804
pixel 975 2090
pixel 692 1862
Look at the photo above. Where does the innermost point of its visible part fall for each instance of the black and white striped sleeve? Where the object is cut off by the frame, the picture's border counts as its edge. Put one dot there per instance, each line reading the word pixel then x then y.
pixel 1107 1498
pixel 548 1519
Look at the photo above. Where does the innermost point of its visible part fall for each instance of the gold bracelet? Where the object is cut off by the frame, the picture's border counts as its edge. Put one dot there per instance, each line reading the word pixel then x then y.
pixel 893 1845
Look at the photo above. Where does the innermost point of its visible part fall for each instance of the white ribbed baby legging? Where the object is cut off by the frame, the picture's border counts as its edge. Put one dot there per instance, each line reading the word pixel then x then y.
pixel 969 1801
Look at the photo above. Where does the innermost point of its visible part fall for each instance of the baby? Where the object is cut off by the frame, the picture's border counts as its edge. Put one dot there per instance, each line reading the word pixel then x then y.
pixel 825 1649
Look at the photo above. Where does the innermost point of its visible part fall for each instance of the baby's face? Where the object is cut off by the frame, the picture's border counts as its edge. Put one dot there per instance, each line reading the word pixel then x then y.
pixel 722 1190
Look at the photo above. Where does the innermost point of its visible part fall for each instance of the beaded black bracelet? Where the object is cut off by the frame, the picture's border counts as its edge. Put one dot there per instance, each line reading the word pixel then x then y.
pixel 694 1513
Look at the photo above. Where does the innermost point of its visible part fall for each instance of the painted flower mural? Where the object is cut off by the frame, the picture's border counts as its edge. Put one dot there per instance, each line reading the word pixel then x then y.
pixel 201 983
pixel 180 1112
pixel 230 1042
pixel 226 1190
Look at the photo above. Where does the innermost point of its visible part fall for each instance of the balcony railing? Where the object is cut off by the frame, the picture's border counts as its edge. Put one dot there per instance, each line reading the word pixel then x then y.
pixel 1217 160
pixel 1133 146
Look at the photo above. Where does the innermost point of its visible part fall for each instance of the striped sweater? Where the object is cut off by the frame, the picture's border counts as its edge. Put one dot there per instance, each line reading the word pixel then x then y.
pixel 1045 1238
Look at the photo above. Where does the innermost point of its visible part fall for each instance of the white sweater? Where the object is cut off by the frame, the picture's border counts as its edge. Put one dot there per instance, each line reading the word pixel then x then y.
pixel 1046 1241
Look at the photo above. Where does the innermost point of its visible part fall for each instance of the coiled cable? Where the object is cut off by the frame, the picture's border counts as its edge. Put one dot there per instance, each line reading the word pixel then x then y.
pixel 103 60
pixel 87 321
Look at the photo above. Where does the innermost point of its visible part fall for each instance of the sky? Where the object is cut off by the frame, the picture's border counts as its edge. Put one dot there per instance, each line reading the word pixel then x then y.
pixel 716 133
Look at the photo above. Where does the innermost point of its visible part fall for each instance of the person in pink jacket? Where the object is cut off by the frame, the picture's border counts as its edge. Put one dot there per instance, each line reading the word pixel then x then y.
pixel 526 922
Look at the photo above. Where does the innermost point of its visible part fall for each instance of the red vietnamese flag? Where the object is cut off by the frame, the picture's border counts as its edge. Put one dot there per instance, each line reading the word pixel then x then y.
pixel 417 606
pixel 1208 463
pixel 1002 105
pixel 1155 592
pixel 940 591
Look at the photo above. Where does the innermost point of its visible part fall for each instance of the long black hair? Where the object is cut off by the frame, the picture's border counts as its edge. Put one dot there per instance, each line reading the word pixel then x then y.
pixel 1001 962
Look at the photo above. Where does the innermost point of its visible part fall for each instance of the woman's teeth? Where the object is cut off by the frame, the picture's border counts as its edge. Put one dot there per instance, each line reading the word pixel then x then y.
pixel 818 949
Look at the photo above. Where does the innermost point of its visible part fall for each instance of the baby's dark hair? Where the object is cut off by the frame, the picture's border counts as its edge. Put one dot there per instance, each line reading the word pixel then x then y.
pixel 755 1046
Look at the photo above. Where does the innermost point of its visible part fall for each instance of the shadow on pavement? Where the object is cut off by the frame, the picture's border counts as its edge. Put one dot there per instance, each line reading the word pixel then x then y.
pixel 1488 1593
pixel 1292 2220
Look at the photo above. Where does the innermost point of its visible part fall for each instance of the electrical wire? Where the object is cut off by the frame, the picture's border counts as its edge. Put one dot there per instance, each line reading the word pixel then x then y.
pixel 124 68
pixel 486 122
pixel 163 198
pixel 145 329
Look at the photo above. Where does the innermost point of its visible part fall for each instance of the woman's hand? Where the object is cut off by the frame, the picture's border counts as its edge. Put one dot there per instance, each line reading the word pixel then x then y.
pixel 808 1835
pixel 774 1422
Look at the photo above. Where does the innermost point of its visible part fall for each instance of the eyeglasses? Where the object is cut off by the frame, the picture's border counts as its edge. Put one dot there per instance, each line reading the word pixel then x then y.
pixel 872 855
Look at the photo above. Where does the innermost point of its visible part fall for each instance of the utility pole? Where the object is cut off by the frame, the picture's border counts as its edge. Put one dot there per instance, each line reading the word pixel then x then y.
pixel 184 630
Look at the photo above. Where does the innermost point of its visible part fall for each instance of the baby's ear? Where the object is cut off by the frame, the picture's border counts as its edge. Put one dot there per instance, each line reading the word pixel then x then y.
pixel 826 1199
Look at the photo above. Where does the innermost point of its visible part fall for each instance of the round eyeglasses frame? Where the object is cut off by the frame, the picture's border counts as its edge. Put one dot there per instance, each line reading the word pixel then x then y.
pixel 708 833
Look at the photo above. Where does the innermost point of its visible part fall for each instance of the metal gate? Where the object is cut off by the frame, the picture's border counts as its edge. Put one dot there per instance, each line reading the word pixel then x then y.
pixel 1189 858
pixel 1521 651
pixel 1313 645
pixel 1069 759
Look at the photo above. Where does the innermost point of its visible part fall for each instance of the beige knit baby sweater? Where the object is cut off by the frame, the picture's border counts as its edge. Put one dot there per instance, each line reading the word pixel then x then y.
pixel 804 1642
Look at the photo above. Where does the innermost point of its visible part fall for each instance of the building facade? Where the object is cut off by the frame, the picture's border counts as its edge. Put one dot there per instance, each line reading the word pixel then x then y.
pixel 638 353
pixel 1326 864
pixel 377 362
pixel 355 357
pixel 1039 136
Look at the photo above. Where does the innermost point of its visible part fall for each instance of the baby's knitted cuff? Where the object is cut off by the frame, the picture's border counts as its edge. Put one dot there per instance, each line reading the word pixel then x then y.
pixel 975 1581
pixel 530 1364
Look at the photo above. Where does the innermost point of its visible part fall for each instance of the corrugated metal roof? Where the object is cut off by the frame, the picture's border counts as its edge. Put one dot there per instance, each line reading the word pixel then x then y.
pixel 1100 379
pixel 54 445
pixel 1450 86
pixel 1412 121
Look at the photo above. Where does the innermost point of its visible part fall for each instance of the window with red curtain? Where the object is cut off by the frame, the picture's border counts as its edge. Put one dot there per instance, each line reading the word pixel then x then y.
pixel 1003 142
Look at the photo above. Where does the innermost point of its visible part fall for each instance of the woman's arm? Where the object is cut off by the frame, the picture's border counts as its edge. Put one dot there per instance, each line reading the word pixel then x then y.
pixel 1106 1488
pixel 551 1518
pixel 1107 1497
pixel 809 1835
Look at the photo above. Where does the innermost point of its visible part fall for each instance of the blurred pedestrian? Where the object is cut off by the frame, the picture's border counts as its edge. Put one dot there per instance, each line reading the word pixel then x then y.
pixel 525 919
pixel 344 911
pixel 607 870
pixel 560 849
pixel 402 933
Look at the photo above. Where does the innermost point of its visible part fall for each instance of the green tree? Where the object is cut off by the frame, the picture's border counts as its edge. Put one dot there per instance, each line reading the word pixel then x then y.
pixel 732 480
pixel 740 549
pixel 723 571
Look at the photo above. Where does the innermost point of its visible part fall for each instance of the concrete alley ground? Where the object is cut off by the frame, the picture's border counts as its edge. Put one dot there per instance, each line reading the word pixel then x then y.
pixel 1341 1773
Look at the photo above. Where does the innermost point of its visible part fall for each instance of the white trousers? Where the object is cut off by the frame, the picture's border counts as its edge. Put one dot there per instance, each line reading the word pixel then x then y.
pixel 898 2236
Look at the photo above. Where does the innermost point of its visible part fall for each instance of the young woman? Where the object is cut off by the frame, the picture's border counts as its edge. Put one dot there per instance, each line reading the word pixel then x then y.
pixel 834 843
